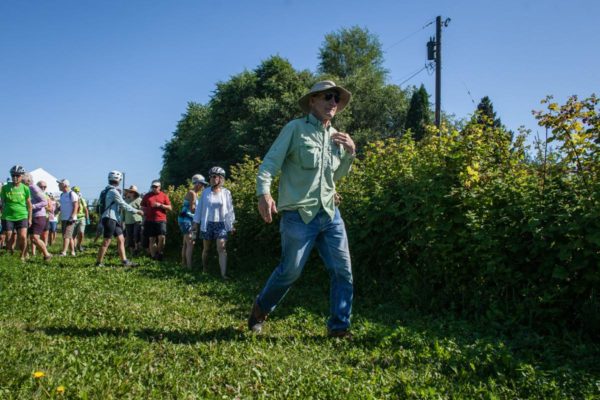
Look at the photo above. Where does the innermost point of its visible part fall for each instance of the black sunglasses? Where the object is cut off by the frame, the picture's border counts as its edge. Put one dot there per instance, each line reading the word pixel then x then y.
pixel 329 96
pixel 154 186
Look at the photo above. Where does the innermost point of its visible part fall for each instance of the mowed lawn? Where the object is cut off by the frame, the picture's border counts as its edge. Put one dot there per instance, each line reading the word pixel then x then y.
pixel 160 332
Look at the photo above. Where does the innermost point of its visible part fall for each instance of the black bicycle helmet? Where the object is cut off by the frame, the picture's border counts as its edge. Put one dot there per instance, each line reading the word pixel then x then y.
pixel 17 170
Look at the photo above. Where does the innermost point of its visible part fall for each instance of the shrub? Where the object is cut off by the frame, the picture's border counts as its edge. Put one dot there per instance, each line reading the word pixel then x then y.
pixel 466 221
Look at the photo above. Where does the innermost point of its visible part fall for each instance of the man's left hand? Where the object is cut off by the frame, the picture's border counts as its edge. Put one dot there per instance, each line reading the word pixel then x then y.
pixel 345 140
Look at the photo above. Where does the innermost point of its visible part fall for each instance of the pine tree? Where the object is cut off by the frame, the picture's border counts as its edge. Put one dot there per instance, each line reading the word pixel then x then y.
pixel 486 114
pixel 419 114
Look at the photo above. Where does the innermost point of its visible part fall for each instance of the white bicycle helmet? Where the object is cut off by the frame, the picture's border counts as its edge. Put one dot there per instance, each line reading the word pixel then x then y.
pixel 115 176
pixel 217 171
pixel 17 170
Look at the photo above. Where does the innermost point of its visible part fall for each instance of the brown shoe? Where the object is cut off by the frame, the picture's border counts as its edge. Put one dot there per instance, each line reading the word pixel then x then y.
pixel 345 334
pixel 256 319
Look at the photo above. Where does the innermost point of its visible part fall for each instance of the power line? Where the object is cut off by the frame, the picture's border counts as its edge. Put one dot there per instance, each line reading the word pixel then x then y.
pixel 409 35
pixel 426 66
pixel 468 91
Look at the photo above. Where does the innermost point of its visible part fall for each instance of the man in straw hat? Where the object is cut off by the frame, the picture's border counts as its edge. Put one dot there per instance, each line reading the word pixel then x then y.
pixel 311 156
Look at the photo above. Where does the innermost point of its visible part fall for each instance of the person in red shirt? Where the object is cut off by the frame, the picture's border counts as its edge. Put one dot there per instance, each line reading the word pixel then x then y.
pixel 155 205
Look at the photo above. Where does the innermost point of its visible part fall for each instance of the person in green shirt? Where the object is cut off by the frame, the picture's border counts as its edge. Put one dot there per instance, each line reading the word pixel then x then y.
pixel 15 200
pixel 311 156
pixel 83 216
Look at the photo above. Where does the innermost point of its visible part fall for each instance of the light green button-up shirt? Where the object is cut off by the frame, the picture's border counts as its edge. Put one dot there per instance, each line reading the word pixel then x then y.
pixel 310 163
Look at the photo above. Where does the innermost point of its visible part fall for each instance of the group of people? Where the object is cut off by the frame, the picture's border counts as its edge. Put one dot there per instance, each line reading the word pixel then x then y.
pixel 309 155
pixel 28 212
pixel 207 210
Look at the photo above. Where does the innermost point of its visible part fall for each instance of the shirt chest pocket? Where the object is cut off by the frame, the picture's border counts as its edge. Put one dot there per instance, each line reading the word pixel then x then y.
pixel 310 154
pixel 335 160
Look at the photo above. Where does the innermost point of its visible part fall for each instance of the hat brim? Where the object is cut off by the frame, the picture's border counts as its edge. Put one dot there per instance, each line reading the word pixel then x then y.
pixel 345 97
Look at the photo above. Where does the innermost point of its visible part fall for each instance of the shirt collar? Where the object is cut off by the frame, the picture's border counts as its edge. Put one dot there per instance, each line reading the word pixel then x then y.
pixel 310 118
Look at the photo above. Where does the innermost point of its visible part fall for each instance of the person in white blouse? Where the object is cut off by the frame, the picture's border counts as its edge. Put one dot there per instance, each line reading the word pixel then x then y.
pixel 215 217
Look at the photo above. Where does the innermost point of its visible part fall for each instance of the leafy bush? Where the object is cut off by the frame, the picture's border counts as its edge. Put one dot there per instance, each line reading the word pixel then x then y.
pixel 466 221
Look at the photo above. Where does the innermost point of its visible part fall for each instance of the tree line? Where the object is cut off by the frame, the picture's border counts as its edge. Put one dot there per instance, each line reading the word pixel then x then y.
pixel 246 113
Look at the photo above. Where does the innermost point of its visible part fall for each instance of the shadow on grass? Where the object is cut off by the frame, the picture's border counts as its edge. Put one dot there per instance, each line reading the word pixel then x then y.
pixel 147 334
pixel 228 334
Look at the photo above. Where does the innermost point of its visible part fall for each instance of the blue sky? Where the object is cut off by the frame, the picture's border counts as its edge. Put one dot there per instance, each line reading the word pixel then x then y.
pixel 91 86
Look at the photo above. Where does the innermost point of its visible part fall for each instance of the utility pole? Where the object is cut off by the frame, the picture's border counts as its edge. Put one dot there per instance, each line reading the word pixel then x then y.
pixel 434 52
pixel 438 71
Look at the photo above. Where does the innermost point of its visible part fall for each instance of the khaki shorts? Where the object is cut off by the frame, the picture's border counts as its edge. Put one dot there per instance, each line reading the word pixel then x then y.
pixel 68 228
pixel 80 226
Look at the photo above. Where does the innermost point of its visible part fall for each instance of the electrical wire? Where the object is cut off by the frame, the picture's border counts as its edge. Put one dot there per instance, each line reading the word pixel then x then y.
pixel 468 91
pixel 409 35
pixel 426 66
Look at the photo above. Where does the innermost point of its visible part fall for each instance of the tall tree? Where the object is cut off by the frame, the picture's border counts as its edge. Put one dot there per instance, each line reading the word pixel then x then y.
pixel 486 114
pixel 350 50
pixel 243 118
pixel 419 114
pixel 180 154
pixel 354 57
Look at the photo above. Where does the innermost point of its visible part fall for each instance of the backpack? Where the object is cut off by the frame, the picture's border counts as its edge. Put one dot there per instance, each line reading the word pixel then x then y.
pixel 101 206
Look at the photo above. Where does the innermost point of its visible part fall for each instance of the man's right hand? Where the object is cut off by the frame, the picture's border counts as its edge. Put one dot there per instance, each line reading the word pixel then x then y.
pixel 267 207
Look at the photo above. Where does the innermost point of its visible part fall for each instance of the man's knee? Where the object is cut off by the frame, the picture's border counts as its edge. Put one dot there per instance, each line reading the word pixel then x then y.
pixel 290 272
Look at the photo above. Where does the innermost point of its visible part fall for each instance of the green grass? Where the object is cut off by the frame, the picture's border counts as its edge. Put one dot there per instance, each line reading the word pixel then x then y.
pixel 161 332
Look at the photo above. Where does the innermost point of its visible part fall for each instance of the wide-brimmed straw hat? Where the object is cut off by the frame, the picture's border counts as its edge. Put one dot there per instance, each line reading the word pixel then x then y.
pixel 133 189
pixel 323 86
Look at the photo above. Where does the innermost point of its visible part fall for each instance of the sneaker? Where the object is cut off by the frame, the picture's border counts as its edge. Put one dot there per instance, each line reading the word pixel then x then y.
pixel 63 254
pixel 127 263
pixel 48 258
pixel 99 264
pixel 344 334
pixel 256 319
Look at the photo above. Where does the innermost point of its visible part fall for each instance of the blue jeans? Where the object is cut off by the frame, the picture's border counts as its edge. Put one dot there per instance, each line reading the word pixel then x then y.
pixel 297 241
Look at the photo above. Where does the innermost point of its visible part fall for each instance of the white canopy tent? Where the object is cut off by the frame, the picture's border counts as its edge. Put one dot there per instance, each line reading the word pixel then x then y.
pixel 41 174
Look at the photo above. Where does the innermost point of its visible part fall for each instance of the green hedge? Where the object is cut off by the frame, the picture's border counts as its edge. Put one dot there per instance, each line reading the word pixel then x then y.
pixel 466 222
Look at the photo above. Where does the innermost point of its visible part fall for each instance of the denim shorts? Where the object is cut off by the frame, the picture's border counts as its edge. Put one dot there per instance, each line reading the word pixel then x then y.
pixel 52 226
pixel 185 226
pixel 214 231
